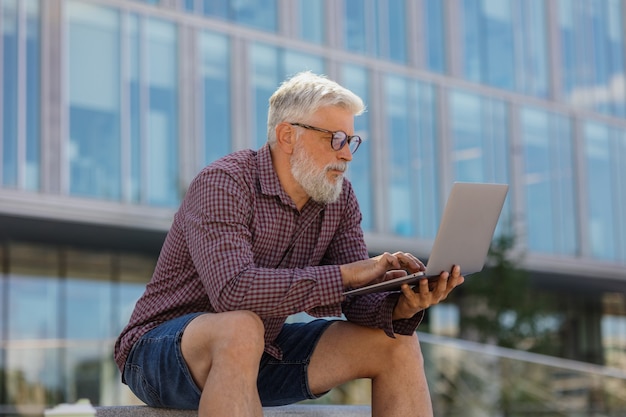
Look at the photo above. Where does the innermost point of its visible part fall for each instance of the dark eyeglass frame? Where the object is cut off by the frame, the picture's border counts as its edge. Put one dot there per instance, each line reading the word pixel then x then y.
pixel 339 138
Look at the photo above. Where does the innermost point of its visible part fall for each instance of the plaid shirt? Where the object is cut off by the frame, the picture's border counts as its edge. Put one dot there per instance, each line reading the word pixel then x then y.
pixel 238 242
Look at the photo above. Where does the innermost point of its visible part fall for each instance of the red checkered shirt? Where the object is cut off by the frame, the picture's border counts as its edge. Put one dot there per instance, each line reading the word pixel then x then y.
pixel 238 242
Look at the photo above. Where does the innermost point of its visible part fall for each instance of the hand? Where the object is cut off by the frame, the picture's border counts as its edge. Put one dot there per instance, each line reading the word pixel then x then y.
pixel 421 296
pixel 379 268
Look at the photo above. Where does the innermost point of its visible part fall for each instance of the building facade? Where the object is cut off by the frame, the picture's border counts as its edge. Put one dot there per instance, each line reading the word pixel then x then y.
pixel 108 108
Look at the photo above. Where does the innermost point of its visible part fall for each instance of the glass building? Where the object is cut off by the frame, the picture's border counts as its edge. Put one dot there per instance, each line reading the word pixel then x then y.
pixel 108 108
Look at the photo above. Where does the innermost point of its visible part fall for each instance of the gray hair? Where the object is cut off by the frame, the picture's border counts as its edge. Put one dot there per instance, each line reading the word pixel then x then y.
pixel 304 94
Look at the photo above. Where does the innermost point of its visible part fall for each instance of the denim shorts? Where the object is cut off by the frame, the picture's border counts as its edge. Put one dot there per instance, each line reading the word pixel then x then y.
pixel 157 374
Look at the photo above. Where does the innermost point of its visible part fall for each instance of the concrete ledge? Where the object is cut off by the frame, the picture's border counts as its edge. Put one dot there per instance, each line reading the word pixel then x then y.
pixel 286 411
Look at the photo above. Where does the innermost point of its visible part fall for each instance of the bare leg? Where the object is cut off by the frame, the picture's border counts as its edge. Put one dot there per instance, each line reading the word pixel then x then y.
pixel 396 367
pixel 223 352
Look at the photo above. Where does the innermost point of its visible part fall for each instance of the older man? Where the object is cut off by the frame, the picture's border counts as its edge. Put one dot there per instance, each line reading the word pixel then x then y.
pixel 262 235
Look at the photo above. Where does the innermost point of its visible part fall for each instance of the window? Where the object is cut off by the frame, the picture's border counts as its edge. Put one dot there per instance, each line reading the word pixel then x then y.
pixel 376 28
pixel 549 182
pixel 20 117
pixel 60 314
pixel 215 69
pixel 605 151
pixel 411 142
pixel 311 23
pixel 592 55
pixel 356 79
pixel 480 144
pixel 94 143
pixel 270 66
pixel 434 33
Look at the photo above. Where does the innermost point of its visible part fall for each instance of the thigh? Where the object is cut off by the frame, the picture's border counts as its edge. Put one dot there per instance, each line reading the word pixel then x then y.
pixel 347 351
pixel 155 369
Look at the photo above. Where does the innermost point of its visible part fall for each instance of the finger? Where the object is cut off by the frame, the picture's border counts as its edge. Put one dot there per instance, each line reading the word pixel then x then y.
pixel 410 262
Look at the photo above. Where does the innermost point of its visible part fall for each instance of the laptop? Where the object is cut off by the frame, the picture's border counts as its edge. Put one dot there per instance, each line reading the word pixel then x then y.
pixel 464 236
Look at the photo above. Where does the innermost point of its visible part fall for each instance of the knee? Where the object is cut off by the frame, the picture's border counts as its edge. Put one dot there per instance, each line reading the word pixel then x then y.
pixel 242 332
pixel 404 350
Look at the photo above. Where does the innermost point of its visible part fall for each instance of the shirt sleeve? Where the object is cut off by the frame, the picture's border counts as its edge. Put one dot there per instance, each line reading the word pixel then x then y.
pixel 216 221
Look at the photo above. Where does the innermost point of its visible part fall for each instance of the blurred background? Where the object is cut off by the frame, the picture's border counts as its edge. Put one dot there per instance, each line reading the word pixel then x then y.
pixel 108 108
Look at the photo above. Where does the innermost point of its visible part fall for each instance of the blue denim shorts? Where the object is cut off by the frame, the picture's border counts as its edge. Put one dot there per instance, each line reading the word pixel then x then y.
pixel 157 374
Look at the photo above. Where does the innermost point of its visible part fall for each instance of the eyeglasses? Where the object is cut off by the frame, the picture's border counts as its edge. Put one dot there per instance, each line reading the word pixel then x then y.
pixel 339 138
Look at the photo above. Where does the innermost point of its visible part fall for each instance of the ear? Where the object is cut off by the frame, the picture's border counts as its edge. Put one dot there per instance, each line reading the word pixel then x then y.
pixel 285 137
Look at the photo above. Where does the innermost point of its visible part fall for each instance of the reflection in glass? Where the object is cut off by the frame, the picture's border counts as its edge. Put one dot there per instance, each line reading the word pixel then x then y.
pixel 434 32
pixel 549 182
pixel 411 137
pixel 356 79
pixel 9 92
pixel 311 22
pixel 592 55
pixel 215 69
pixel 94 103
pixel 133 86
pixel 270 66
pixel 20 117
pixel 163 187
pixel 605 150
pixel 32 74
pixel 480 144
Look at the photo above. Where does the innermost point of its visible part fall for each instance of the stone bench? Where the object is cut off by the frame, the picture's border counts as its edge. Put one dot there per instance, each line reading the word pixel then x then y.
pixel 299 410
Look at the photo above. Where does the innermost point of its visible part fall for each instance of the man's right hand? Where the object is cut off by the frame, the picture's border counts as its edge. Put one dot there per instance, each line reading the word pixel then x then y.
pixel 379 268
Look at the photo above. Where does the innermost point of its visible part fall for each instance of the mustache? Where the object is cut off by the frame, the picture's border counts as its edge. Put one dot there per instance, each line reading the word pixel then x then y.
pixel 339 166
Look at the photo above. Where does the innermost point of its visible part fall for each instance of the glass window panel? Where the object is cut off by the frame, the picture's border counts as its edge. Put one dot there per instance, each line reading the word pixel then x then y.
pixel 293 62
pixel 471 41
pixel 434 30
pixel 270 66
pixel 356 79
pixel 480 142
pixel 33 338
pixel 488 43
pixel 88 324
pixel 592 54
pixel 33 46
pixel 94 102
pixel 133 87
pixel 498 38
pixel 265 78
pixel 216 8
pixel 395 29
pixel 9 92
pixel 215 63
pixel 531 48
pixel 601 203
pixel 412 176
pixel 311 20
pixel 162 118
pixel 260 14
pixel 549 182
pixel 355 29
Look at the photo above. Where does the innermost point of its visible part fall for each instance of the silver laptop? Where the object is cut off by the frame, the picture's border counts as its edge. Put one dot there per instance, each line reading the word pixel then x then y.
pixel 464 236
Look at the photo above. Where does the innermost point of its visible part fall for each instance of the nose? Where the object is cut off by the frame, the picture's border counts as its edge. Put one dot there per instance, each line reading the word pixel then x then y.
pixel 345 153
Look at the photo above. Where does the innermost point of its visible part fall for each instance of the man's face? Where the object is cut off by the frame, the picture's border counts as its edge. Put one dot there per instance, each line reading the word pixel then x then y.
pixel 315 165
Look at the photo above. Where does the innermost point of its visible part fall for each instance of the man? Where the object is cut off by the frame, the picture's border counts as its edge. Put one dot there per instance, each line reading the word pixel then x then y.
pixel 262 235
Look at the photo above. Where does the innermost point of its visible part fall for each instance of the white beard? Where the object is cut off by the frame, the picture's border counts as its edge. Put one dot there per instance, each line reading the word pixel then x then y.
pixel 314 181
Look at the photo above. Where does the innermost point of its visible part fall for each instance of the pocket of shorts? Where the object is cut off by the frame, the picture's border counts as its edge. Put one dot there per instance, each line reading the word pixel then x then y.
pixel 140 386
